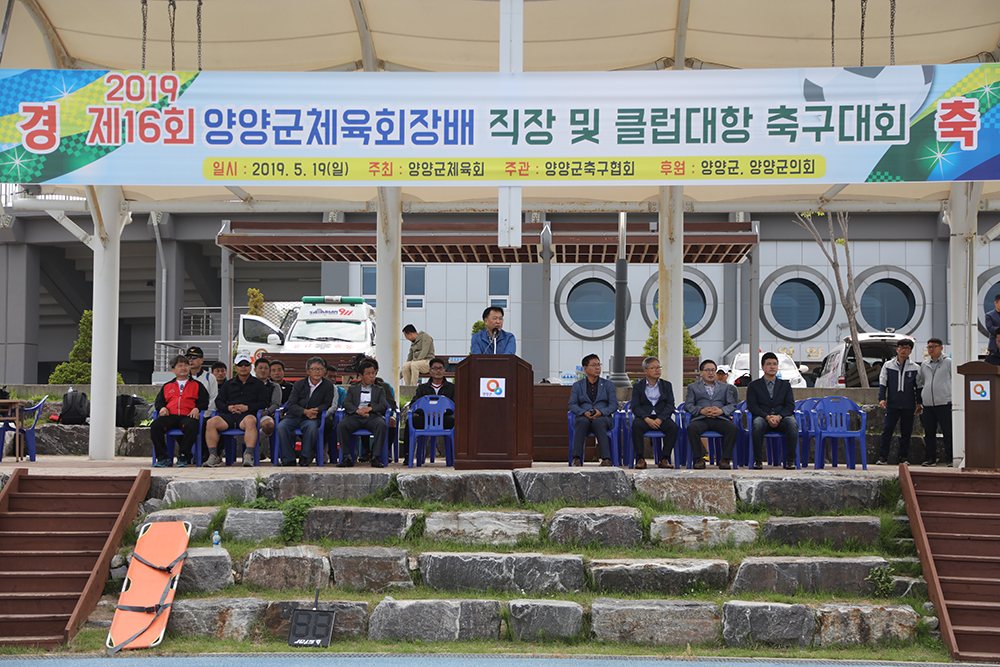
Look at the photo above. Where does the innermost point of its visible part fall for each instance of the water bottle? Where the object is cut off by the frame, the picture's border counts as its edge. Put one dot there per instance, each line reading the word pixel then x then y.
pixel 216 541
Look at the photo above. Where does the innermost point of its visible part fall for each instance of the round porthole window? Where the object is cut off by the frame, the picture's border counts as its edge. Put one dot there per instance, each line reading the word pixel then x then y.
pixel 699 301
pixel 585 302
pixel 796 303
pixel 890 298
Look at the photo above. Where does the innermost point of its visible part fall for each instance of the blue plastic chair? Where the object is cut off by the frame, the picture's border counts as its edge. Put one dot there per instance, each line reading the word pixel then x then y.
pixel 614 436
pixel 833 421
pixel 228 439
pixel 775 445
pixel 807 426
pixel 434 408
pixel 355 439
pixel 714 442
pixel 27 431
pixel 171 440
pixel 682 453
pixel 276 443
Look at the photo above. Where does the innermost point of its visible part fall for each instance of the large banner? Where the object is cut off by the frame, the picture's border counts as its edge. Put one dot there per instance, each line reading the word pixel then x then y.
pixel 851 125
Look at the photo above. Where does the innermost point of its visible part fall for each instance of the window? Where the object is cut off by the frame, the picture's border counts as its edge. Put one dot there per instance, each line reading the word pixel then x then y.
pixel 695 304
pixel 255 331
pixel 499 285
pixel 797 304
pixel 888 303
pixel 591 304
pixel 368 288
pixel 413 286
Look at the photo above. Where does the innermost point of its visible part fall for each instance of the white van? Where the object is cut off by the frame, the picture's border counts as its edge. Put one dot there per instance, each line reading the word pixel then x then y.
pixel 841 370
pixel 322 325
pixel 787 370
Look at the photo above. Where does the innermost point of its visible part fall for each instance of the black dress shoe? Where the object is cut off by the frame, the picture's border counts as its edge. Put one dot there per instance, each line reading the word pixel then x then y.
pixel 346 463
pixel 377 463
pixel 757 465
pixel 303 463
pixel 699 465
pixel 364 458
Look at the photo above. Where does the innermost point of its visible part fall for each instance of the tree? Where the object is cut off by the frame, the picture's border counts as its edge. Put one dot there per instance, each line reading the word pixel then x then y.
pixel 651 348
pixel 77 369
pixel 255 302
pixel 848 297
pixel 477 326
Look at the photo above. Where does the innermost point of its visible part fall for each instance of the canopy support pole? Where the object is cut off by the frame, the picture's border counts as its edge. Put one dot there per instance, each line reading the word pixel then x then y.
pixel 389 284
pixel 226 275
pixel 963 217
pixel 671 285
pixel 509 218
pixel 107 204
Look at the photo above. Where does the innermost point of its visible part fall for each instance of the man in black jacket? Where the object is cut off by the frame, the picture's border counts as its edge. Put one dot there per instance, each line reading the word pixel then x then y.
pixel 772 406
pixel 310 397
pixel 652 410
pixel 364 407
pixel 238 402
pixel 438 385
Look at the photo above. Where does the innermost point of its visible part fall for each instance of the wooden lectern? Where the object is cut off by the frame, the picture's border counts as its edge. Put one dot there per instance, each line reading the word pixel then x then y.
pixel 493 419
pixel 982 415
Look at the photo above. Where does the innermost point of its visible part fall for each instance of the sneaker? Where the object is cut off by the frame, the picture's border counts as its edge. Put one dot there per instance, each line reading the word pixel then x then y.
pixel 346 463
pixel 181 463
pixel 248 458
pixel 757 465
pixel 213 461
pixel 950 464
pixel 790 465
pixel 881 462
pixel 929 463
pixel 577 463
pixel 163 463
pixel 698 465
pixel 377 463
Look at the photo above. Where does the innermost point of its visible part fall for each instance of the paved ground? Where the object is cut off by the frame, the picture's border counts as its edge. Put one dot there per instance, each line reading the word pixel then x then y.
pixel 80 465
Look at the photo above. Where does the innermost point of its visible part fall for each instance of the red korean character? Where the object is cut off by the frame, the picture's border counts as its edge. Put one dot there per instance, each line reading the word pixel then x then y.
pixel 957 119
pixel 679 168
pixel 667 168
pixel 510 168
pixel 40 132
pixel 217 169
pixel 178 125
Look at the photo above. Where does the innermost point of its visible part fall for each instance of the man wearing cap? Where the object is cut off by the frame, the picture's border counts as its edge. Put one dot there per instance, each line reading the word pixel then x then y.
pixel 239 400
pixel 722 377
pixel 196 358
pixel 178 405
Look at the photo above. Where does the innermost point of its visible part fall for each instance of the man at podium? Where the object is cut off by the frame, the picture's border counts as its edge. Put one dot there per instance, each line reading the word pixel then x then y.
pixel 494 340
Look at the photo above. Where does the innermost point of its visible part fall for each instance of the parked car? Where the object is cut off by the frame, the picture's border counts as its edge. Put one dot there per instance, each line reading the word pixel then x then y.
pixel 841 370
pixel 787 370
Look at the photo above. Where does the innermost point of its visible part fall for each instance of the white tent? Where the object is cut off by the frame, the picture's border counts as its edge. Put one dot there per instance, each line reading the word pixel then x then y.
pixel 510 35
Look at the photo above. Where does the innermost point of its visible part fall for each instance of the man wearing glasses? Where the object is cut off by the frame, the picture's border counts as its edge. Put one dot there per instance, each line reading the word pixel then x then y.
pixel 196 360
pixel 310 397
pixel 934 381
pixel 593 401
pixel 652 409
pixel 711 405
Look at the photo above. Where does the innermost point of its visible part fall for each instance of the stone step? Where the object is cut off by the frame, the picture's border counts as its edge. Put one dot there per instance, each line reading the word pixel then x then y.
pixel 653 621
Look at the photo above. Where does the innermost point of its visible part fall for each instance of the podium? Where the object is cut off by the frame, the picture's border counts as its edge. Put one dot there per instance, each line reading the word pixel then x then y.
pixel 493 416
pixel 982 415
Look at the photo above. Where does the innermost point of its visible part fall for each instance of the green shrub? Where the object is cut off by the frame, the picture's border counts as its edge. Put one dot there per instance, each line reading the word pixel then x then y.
pixel 77 369
pixel 652 346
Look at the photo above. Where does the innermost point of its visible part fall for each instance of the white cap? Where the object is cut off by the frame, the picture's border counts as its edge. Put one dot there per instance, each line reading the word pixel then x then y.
pixel 724 369
pixel 240 358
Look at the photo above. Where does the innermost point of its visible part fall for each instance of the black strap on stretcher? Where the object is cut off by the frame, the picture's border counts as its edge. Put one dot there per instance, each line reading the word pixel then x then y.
pixel 156 609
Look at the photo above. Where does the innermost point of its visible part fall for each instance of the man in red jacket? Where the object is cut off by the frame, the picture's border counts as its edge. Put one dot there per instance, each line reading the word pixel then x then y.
pixel 177 406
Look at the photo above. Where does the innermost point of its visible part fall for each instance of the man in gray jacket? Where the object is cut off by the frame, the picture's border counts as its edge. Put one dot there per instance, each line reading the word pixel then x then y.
pixel 711 406
pixel 934 380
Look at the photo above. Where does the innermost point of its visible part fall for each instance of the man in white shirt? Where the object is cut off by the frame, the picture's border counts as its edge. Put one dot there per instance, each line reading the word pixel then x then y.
pixel 196 359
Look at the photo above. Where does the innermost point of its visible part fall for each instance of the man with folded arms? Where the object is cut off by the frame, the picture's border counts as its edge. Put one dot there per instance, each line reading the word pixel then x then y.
pixel 239 400
pixel 310 397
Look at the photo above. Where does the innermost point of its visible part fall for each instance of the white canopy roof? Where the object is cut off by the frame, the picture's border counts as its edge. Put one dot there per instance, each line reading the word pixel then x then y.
pixel 464 35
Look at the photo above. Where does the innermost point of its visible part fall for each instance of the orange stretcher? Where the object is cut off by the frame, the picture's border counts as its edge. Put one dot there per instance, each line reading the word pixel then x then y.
pixel 148 591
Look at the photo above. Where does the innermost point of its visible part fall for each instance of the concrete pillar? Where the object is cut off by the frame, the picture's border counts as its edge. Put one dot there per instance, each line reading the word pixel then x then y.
pixel 962 216
pixel 227 276
pixel 334 279
pixel 389 284
pixel 671 285
pixel 169 292
pixel 536 300
pixel 107 210
pixel 19 270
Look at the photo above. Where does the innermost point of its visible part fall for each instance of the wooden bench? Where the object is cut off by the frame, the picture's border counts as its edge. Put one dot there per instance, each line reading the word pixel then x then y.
pixel 633 367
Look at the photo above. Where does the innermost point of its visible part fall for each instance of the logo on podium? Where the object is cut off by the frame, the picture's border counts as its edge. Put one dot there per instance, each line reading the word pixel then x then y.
pixel 492 387
pixel 979 391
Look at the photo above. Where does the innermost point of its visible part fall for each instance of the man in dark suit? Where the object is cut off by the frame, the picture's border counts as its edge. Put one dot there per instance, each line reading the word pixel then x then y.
pixel 438 385
pixel 772 406
pixel 711 405
pixel 310 397
pixel 364 407
pixel 652 409
pixel 593 401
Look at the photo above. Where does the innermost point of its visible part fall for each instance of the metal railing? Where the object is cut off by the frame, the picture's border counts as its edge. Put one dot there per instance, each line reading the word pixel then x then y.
pixel 165 350
pixel 206 322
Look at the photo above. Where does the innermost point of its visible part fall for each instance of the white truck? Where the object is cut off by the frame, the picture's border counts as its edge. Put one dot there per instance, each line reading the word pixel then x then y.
pixel 337 328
